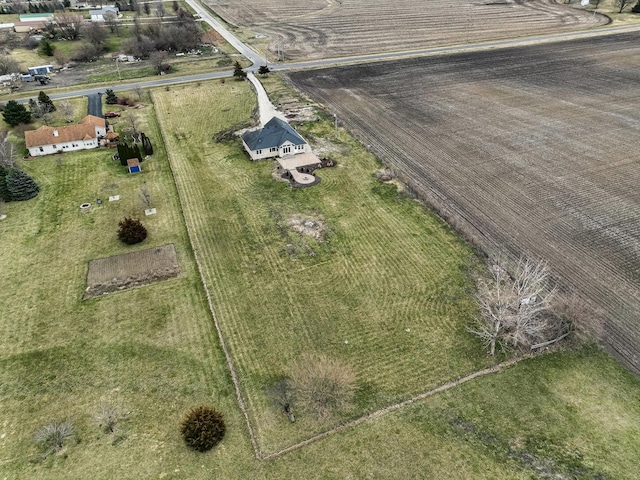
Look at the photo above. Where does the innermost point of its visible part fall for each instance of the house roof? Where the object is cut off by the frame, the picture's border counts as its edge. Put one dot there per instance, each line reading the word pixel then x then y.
pixel 85 130
pixel 275 133
pixel 112 135
pixel 93 120
pixel 103 10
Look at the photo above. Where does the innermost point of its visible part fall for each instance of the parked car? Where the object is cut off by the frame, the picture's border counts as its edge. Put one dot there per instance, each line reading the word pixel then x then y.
pixel 111 114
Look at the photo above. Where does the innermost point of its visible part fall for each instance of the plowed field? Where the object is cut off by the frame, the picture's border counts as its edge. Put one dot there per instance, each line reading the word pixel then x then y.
pixel 321 28
pixel 533 147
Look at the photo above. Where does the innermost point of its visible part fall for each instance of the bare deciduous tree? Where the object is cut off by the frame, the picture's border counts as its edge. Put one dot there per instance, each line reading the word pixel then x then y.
pixel 95 34
pixel 138 90
pixel 585 318
pixel 111 21
pixel 160 10
pixel 622 4
pixel 69 24
pixel 8 65
pixel 516 310
pixel 132 123
pixel 67 110
pixel 322 385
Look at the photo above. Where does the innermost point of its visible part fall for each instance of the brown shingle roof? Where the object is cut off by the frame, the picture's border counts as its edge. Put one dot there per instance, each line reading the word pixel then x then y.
pixel 93 120
pixel 85 130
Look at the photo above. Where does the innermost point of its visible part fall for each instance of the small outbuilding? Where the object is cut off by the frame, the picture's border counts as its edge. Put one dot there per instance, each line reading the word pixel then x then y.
pixel 133 164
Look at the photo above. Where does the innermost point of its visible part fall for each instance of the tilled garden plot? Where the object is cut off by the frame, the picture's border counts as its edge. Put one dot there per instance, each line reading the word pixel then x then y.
pixel 532 150
pixel 121 272
pixel 335 28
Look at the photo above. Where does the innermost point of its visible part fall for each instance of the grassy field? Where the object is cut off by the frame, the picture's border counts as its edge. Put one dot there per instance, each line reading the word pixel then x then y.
pixel 150 351
pixel 386 291
pixel 153 351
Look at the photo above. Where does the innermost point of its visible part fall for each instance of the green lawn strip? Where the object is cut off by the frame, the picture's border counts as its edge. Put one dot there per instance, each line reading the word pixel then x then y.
pixel 386 266
pixel 571 414
pixel 152 351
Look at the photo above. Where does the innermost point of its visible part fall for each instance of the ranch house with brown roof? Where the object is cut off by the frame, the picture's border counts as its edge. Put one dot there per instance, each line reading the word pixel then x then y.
pixel 48 140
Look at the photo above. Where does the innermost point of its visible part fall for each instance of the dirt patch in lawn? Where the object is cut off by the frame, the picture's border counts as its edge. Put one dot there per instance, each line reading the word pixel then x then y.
pixel 311 227
pixel 129 270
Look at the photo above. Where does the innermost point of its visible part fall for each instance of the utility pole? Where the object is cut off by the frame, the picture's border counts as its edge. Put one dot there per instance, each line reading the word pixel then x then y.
pixel 335 124
pixel 118 69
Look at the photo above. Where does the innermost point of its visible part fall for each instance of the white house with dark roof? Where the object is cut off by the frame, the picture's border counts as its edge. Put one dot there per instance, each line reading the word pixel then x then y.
pixel 48 140
pixel 102 14
pixel 276 139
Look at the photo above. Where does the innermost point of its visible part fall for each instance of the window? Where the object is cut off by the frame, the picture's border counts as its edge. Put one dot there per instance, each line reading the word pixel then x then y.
pixel 55 146
pixel 286 149
pixel 41 149
pixel 273 149
pixel 258 152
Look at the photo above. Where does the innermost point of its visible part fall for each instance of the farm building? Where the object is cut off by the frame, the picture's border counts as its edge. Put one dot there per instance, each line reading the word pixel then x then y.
pixel 40 70
pixel 276 139
pixel 26 27
pixel 48 140
pixel 36 17
pixel 100 15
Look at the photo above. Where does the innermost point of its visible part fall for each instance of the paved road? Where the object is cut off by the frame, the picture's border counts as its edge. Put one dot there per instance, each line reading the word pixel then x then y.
pixel 245 50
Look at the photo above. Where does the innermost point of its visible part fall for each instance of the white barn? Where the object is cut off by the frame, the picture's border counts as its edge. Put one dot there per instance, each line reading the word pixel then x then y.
pixel 48 140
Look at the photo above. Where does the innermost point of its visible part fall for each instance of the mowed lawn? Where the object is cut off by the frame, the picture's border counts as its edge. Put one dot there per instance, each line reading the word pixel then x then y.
pixel 151 351
pixel 387 291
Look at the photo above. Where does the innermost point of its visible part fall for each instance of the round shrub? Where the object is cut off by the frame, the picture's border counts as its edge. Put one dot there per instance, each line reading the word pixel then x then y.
pixel 131 231
pixel 203 428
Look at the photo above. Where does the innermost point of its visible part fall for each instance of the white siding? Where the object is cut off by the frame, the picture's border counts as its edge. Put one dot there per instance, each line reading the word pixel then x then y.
pixel 63 147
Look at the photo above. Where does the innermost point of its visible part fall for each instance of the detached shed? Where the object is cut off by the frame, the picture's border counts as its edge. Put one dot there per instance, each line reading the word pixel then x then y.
pixel 133 164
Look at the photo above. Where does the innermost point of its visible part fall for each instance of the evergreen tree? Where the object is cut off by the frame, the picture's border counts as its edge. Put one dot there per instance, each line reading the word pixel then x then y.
pixel 46 103
pixel 112 99
pixel 125 152
pixel 15 113
pixel 238 72
pixel 20 185
pixel 4 192
pixel 146 145
pixel 263 70
pixel 46 48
